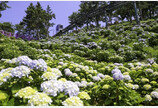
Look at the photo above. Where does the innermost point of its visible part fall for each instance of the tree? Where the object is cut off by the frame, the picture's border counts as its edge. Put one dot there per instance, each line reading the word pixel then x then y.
pixel 48 18
pixel 3 6
pixel 84 10
pixel 36 23
pixel 147 9
pixel 73 18
pixel 7 26
pixel 94 6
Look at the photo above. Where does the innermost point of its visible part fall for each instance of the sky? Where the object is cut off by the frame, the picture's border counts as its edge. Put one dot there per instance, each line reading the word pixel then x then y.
pixel 62 10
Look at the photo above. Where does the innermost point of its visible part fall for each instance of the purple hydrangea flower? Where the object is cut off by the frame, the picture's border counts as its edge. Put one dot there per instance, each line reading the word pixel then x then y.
pixel 118 76
pixel 116 70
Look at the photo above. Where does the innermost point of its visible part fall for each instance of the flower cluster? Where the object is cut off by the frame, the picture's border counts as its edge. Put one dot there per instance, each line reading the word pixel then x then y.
pixel 57 72
pixel 154 94
pixel 108 78
pixel 34 97
pixel 148 98
pixel 26 92
pixel 40 99
pixel 144 80
pixel 106 86
pixel 132 86
pixel 8 73
pixel 83 83
pixel 147 86
pixel 68 72
pixel 49 76
pixel 96 78
pixel 117 75
pixel 101 75
pixel 155 74
pixel 84 95
pixel 127 77
pixel 5 74
pixel 71 88
pixel 39 64
pixel 53 87
pixel 73 101
pixel 149 71
pixel 20 71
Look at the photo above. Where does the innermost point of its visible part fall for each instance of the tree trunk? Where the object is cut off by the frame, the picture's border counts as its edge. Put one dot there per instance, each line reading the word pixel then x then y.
pixel 38 37
pixel 130 18
pixel 97 22
pixel 150 12
pixel 87 26
pixel 110 18
pixel 76 28
pixel 141 16
pixel 47 33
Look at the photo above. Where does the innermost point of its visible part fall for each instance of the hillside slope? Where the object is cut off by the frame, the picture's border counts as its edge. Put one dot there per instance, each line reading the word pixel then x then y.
pixel 99 67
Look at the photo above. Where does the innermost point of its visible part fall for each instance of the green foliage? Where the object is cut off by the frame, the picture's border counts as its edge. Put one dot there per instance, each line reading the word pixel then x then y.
pixel 9 51
pixel 7 26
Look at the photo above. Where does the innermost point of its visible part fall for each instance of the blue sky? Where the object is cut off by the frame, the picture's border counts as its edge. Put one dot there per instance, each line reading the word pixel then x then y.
pixel 62 10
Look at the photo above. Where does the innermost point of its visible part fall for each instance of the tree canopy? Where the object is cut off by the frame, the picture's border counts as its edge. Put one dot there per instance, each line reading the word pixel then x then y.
pixel 3 6
pixel 146 10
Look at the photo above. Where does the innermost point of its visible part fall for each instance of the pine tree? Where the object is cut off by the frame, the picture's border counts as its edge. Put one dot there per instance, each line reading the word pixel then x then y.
pixel 48 17
pixel 36 23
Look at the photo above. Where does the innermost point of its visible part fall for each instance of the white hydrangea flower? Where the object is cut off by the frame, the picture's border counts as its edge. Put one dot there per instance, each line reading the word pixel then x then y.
pixel 155 74
pixel 52 87
pixel 131 65
pixel 139 64
pixel 90 83
pixel 23 60
pixel 136 86
pixel 148 98
pixel 26 92
pixel 154 94
pixel 68 72
pixel 73 101
pixel 84 95
pixel 57 72
pixel 5 74
pixel 101 75
pixel 74 75
pixel 40 99
pixel 147 86
pixel 96 78
pixel 61 63
pixel 118 64
pixel 127 77
pixel 83 84
pixel 39 64
pixel 78 83
pixel 71 88
pixel 129 85
pixel 149 71
pixel 20 71
pixel 49 76
pixel 77 69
